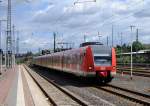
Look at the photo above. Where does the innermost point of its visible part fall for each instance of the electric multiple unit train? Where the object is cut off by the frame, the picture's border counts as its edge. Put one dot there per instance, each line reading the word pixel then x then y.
pixel 92 59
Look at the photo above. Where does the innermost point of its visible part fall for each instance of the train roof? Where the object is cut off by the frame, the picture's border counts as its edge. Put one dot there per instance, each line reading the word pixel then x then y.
pixel 90 43
pixel 96 47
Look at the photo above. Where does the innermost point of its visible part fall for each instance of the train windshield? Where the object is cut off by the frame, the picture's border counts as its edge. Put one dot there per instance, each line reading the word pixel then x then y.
pixel 102 60
pixel 102 55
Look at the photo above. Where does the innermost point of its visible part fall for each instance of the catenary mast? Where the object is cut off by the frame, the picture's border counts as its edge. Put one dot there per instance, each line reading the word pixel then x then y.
pixel 9 38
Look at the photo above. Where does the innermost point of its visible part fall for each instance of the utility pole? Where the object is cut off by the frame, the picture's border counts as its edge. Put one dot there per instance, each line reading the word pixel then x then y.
pixel 112 35
pixel 131 27
pixel 107 40
pixel 0 50
pixel 137 35
pixel 84 38
pixel 9 38
pixel 99 35
pixel 121 46
pixel 13 47
pixel 121 38
pixel 54 34
pixel 39 51
pixel 17 44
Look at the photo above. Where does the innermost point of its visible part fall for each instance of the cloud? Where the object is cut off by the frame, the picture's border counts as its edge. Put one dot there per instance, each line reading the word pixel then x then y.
pixel 43 17
pixel 145 13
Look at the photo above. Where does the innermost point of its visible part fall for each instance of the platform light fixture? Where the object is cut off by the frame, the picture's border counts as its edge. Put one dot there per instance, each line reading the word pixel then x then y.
pixel 131 73
pixel 78 2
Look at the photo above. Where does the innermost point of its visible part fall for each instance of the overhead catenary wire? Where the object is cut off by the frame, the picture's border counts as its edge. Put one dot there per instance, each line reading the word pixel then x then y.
pixel 107 20
pixel 112 22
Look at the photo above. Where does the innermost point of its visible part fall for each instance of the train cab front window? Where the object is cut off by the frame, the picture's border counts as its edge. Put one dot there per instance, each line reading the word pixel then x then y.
pixel 102 60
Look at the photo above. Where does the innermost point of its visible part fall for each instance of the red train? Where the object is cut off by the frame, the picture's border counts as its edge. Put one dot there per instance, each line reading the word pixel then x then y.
pixel 92 59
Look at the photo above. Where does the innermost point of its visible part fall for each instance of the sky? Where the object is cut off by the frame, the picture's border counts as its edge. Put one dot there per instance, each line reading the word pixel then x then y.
pixel 71 20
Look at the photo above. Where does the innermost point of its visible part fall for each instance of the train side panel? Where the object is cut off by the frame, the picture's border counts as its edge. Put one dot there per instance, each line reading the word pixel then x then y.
pixel 81 61
pixel 72 61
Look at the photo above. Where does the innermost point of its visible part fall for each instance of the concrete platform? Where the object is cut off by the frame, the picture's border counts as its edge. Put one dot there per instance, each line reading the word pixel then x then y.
pixel 17 88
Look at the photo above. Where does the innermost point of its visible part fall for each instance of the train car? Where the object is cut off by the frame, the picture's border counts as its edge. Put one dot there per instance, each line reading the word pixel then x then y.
pixel 90 60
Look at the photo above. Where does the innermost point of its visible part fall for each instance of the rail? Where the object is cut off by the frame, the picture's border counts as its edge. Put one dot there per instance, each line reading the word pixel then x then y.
pixel 68 93
pixel 126 93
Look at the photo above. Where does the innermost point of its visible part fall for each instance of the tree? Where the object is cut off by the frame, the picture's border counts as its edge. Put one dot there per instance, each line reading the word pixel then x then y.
pixel 124 48
pixel 137 46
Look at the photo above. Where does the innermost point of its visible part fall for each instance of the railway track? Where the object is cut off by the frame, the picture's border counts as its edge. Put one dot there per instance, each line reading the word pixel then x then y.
pixel 127 94
pixel 77 100
pixel 135 68
pixel 137 72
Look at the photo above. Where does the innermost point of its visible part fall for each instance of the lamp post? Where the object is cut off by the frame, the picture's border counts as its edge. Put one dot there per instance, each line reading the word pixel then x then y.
pixel 84 1
pixel 99 35
pixel 131 27
pixel 121 51
pixel 1 54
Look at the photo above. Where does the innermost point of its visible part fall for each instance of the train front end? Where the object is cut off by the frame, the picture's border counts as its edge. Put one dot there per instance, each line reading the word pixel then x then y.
pixel 104 61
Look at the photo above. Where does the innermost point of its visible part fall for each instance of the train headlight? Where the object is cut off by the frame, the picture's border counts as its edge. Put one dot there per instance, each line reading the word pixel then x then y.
pixel 114 68
pixel 90 68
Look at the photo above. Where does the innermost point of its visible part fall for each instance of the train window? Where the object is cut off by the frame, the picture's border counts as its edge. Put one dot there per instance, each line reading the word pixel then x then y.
pixel 65 59
pixel 74 59
pixel 69 59
pixel 78 58
pixel 102 60
pixel 81 57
